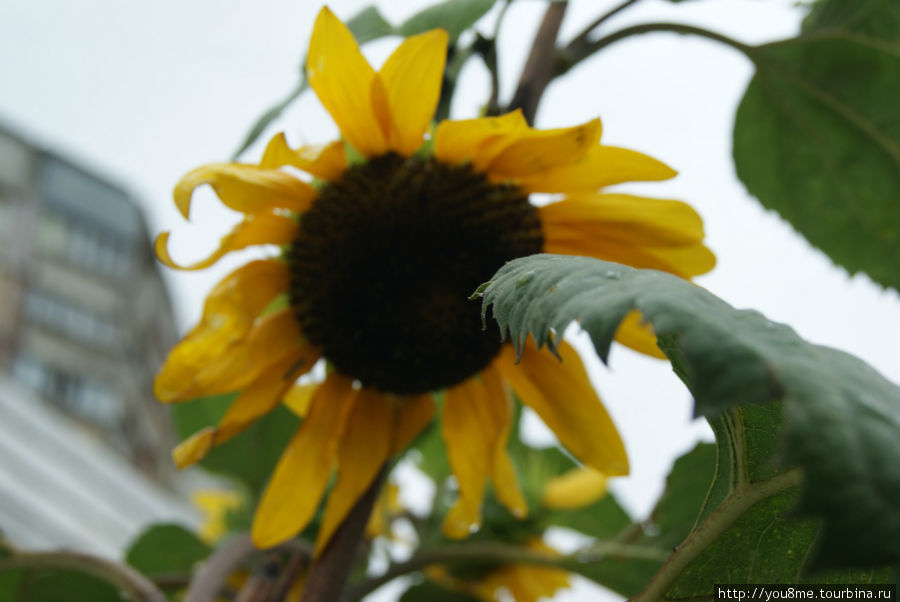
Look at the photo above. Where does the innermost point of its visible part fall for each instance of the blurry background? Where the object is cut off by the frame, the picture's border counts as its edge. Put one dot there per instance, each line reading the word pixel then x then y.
pixel 104 105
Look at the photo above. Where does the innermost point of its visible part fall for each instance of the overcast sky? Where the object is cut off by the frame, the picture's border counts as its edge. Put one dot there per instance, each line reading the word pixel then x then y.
pixel 143 92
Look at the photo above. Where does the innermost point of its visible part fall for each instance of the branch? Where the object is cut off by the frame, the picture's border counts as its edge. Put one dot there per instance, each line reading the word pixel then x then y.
pixel 127 580
pixel 577 52
pixel 500 554
pixel 732 508
pixel 328 573
pixel 583 38
pixel 540 67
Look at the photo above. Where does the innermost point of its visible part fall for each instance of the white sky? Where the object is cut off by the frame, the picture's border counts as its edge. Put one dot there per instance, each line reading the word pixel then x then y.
pixel 146 91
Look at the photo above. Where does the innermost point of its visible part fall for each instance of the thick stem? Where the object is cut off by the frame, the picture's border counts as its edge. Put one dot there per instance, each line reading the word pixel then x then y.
pixel 329 572
pixel 132 584
pixel 540 67
pixel 735 505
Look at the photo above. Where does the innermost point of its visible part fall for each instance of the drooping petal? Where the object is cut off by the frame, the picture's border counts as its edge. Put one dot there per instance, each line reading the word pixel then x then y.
pixel 601 166
pixel 411 418
pixel 362 452
pixel 258 399
pixel 412 78
pixel 539 150
pixel 635 334
pixel 296 487
pixel 245 188
pixel 326 161
pixel 476 140
pixel 574 489
pixel 469 435
pixel 562 395
pixel 343 81
pixel 272 337
pixel 255 229
pixel 229 313
pixel 503 473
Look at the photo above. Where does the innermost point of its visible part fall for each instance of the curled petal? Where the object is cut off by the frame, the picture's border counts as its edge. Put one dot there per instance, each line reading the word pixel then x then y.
pixel 343 81
pixel 412 84
pixel 600 166
pixel 229 314
pixel 326 161
pixel 245 188
pixel 637 335
pixel 255 229
pixel 562 395
pixel 362 452
pixel 296 487
pixel 503 474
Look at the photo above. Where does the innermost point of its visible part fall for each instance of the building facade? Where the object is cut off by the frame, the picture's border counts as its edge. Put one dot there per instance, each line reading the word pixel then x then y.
pixel 85 320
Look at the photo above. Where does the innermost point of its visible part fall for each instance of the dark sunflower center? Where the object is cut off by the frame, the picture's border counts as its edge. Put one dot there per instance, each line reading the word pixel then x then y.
pixel 387 258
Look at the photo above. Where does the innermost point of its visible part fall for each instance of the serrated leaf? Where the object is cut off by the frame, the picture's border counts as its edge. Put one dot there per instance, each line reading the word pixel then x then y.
pixel 166 549
pixel 455 16
pixel 841 418
pixel 249 457
pixel 817 134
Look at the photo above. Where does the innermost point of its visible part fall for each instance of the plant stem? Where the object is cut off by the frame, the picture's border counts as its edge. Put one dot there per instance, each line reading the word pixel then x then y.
pixel 540 67
pixel 581 48
pixel 329 572
pixel 731 509
pixel 583 38
pixel 497 553
pixel 131 583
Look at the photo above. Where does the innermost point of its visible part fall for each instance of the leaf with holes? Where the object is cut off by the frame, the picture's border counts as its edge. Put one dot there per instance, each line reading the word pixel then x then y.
pixel 841 419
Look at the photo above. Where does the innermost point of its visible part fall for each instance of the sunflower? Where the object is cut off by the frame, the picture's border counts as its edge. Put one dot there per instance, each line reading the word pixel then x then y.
pixel 381 247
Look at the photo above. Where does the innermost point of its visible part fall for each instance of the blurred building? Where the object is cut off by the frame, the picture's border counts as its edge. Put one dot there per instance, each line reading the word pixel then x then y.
pixel 85 320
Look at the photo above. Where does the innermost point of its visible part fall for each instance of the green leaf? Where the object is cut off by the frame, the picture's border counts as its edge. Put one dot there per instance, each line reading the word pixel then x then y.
pixel 369 24
pixel 817 134
pixel 166 549
pixel 249 457
pixel 455 16
pixel 55 585
pixel 841 418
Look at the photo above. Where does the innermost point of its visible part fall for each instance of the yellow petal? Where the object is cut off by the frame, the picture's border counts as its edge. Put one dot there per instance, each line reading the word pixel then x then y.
pixel 194 448
pixel 539 150
pixel 298 398
pixel 343 81
pixel 293 493
pixel 412 81
pixel 476 140
pixel 503 474
pixel 258 399
pixel 327 161
pixel 601 166
pixel 638 336
pixel 626 218
pixel 574 489
pixel 255 229
pixel 469 436
pixel 362 453
pixel 637 231
pixel 272 337
pixel 229 314
pixel 245 188
pixel 562 395
pixel 412 416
